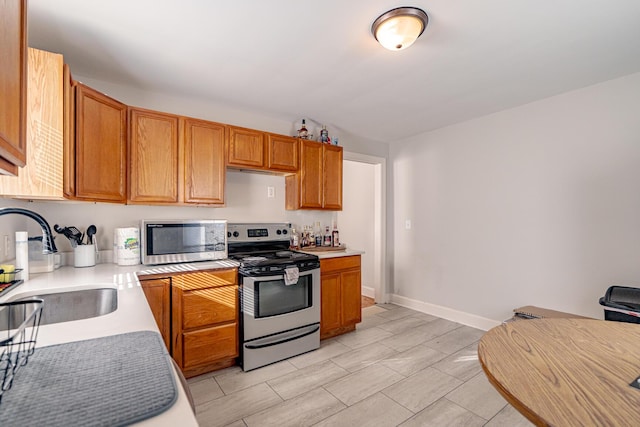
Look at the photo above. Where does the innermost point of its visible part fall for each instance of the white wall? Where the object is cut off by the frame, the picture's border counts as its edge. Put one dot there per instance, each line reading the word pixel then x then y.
pixel 246 200
pixel 356 221
pixel 534 205
pixel 204 109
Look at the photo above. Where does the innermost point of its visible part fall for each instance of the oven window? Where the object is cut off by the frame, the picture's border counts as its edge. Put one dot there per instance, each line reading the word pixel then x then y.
pixel 273 297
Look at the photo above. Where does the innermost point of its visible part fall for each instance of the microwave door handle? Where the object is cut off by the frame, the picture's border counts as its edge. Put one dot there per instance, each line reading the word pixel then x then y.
pixel 268 342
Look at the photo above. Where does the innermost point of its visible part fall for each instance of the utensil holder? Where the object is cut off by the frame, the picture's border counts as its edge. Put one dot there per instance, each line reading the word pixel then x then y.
pixel 84 256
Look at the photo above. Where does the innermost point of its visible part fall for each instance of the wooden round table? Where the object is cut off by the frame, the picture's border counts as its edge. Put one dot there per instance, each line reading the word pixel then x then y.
pixel 566 372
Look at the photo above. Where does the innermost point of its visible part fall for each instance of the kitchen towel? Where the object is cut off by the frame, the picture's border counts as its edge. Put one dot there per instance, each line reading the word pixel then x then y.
pixel 126 246
pixel 110 381
pixel 291 275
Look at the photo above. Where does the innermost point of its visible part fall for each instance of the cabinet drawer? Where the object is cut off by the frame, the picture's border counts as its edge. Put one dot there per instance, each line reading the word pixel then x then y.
pixel 209 306
pixel 209 345
pixel 341 263
pixel 205 279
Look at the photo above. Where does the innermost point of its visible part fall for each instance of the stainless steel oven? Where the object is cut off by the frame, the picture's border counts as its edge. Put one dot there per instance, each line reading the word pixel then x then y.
pixel 279 294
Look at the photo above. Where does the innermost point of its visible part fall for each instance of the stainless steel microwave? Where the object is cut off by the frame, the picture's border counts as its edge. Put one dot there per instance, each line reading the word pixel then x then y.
pixel 175 241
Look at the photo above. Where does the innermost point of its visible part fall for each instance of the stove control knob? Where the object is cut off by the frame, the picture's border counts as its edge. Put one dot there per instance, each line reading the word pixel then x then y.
pixel 284 231
pixel 278 232
pixel 236 234
pixel 228 234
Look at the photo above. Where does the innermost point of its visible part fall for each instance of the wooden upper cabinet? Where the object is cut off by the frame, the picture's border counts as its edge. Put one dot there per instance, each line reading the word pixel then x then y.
pixel 246 148
pixel 13 85
pixel 69 133
pixel 154 167
pixel 332 177
pixel 282 152
pixel 311 174
pixel 100 146
pixel 204 165
pixel 42 177
pixel 318 183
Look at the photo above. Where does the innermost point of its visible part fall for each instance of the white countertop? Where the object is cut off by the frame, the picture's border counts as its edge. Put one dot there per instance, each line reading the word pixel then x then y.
pixel 133 313
pixel 334 254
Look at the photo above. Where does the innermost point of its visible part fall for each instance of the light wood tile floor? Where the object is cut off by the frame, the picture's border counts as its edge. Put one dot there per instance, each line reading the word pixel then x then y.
pixel 399 368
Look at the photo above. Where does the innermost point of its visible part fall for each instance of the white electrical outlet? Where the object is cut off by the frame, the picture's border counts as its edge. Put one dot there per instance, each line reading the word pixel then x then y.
pixel 271 192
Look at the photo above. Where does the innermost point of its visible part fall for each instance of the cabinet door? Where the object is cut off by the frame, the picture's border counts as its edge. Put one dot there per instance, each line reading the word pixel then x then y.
pixel 204 166
pixel 153 157
pixel 101 147
pixel 209 306
pixel 204 320
pixel 157 292
pixel 245 148
pixel 330 313
pixel 41 178
pixel 209 345
pixel 13 85
pixel 282 153
pixel 332 177
pixel 68 134
pixel 311 170
pixel 351 299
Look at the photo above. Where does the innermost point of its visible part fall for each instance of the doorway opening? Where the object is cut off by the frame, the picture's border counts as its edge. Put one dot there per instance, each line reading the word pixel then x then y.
pixel 362 220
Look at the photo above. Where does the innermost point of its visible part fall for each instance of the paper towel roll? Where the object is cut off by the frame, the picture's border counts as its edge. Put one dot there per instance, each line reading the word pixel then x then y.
pixel 22 254
pixel 126 246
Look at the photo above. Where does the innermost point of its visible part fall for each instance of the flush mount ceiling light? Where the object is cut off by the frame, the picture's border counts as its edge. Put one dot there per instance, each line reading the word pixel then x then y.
pixel 398 28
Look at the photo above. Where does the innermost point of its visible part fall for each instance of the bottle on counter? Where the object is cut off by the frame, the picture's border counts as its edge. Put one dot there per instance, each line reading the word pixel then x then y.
pixel 312 237
pixel 326 239
pixel 304 238
pixel 294 242
pixel 303 133
pixel 335 236
pixel 318 234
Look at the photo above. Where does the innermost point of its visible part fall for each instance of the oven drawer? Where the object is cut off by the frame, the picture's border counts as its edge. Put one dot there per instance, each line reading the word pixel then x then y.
pixel 209 345
pixel 209 306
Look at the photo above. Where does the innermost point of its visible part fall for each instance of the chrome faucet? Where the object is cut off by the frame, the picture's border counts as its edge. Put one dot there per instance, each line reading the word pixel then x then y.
pixel 48 245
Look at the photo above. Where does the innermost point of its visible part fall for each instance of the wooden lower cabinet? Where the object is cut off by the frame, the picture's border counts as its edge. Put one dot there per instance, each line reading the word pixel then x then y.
pixel 204 320
pixel 340 295
pixel 210 345
pixel 158 293
pixel 197 314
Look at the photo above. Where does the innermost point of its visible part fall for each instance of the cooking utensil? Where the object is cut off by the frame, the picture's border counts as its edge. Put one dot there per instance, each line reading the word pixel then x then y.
pixel 91 231
pixel 71 233
pixel 76 234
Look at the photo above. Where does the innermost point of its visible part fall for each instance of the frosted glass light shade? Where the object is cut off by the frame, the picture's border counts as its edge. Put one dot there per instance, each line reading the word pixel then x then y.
pixel 399 28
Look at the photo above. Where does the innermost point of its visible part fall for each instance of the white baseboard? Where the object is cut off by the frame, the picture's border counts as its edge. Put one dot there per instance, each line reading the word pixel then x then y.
pixel 446 313
pixel 368 292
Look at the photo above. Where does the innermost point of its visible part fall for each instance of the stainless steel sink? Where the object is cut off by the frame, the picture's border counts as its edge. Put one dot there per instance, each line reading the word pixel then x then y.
pixel 68 306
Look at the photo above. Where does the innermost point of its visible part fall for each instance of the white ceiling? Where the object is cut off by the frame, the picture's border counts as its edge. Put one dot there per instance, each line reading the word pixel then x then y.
pixel 317 59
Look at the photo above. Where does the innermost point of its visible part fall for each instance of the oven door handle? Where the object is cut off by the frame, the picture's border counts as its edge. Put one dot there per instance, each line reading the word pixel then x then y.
pixel 275 340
